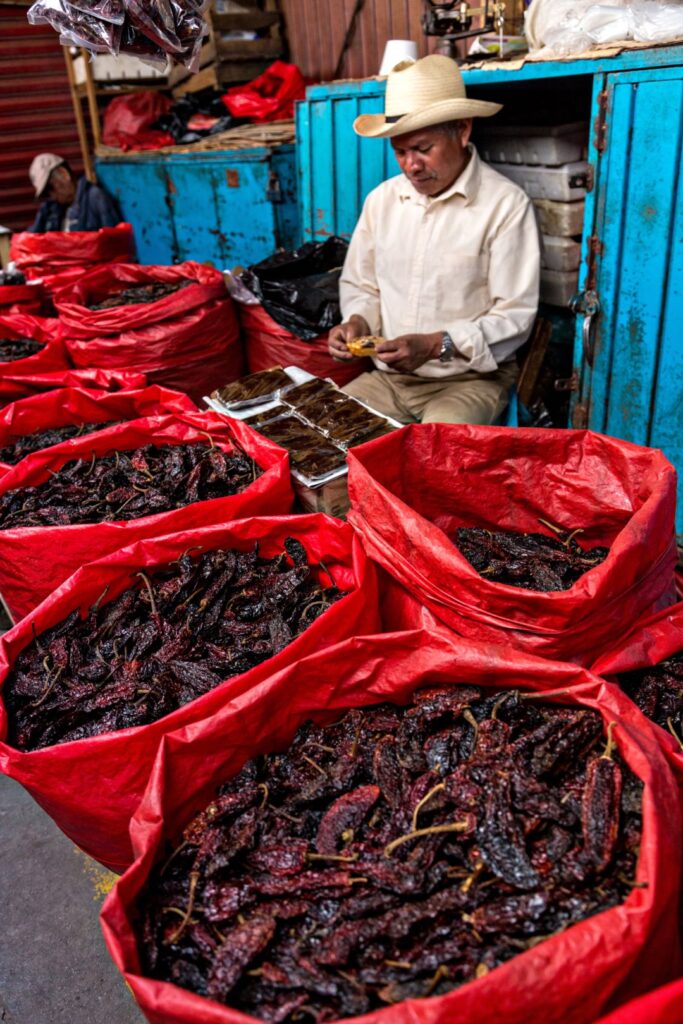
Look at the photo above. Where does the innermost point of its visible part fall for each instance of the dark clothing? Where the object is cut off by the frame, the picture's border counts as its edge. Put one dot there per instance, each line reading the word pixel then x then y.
pixel 93 208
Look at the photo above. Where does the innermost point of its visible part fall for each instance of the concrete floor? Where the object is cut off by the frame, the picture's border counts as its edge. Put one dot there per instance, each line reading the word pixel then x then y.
pixel 54 966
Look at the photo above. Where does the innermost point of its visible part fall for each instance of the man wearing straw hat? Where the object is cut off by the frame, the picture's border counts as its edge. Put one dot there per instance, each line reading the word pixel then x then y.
pixel 444 262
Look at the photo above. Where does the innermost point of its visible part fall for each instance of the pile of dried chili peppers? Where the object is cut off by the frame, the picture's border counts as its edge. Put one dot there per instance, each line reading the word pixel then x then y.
pixel 170 638
pixel 398 853
pixel 658 692
pixel 12 349
pixel 128 485
pixel 23 446
pixel 138 295
pixel 533 561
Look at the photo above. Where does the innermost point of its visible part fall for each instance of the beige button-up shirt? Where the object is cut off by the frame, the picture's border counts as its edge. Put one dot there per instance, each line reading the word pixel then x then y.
pixel 466 261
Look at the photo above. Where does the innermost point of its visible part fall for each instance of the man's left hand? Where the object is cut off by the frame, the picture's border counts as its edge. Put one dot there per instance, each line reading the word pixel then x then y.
pixel 409 351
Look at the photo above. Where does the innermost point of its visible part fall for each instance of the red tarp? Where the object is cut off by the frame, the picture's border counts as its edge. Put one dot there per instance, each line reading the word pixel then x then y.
pixel 411 490
pixel 92 786
pixel 570 978
pixel 267 344
pixel 52 252
pixel 36 560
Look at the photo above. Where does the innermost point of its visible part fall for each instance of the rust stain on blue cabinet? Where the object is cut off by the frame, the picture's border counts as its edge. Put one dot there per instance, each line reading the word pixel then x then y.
pixel 230 207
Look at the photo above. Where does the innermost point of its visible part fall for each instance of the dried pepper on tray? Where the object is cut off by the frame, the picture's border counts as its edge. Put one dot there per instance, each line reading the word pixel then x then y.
pixel 164 641
pixel 141 294
pixel 658 692
pixel 533 561
pixel 23 446
pixel 12 349
pixel 129 484
pixel 397 853
pixel 256 385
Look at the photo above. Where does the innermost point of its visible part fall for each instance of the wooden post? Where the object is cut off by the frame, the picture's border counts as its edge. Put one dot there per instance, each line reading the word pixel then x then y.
pixel 92 99
pixel 80 120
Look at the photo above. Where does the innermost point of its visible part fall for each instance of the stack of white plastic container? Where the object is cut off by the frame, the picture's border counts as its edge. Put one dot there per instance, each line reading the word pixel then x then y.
pixel 549 164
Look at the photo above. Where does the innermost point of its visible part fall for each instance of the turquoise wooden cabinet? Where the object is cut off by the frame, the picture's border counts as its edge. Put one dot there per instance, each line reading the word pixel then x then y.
pixel 233 207
pixel 628 346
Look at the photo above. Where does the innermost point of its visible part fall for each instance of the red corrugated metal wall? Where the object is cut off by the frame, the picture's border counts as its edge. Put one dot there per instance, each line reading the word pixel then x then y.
pixel 36 114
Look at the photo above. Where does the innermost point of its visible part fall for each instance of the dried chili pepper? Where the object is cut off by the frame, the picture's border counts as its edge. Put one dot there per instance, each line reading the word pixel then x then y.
pixel 12 349
pixel 137 295
pixel 533 561
pixel 369 877
pixel 172 637
pixel 658 692
pixel 23 446
pixel 128 485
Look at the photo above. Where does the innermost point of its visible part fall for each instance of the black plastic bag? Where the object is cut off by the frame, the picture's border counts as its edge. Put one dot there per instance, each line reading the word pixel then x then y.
pixel 300 288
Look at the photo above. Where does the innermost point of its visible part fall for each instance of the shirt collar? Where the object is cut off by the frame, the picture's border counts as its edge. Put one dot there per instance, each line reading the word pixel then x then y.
pixel 465 185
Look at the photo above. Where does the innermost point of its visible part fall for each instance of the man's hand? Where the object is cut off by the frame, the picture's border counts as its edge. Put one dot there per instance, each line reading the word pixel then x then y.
pixel 409 351
pixel 355 327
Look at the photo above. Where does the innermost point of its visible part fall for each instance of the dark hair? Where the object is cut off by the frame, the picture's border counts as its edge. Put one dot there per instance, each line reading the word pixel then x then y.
pixel 451 128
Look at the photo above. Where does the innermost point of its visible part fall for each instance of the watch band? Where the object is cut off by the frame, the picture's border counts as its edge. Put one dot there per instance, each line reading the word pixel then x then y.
pixel 447 352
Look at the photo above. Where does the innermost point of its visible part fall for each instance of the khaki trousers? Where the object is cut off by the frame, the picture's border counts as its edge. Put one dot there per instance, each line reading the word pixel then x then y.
pixel 477 398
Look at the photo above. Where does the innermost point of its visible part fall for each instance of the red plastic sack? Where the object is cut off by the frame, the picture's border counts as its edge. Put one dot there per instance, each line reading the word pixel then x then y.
pixel 52 356
pixel 194 353
pixel 91 787
pixel 663 1006
pixel 99 284
pixel 410 491
pixel 36 560
pixel 14 387
pixel 21 298
pixel 79 405
pixel 568 979
pixel 54 251
pixel 128 121
pixel 267 344
pixel 648 643
pixel 270 97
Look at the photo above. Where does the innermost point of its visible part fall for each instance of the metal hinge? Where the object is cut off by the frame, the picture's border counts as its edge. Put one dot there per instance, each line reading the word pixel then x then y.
pixel 274 191
pixel 595 250
pixel 600 123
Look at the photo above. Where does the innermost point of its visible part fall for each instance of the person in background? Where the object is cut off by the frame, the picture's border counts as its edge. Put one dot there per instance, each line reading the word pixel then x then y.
pixel 444 263
pixel 69 203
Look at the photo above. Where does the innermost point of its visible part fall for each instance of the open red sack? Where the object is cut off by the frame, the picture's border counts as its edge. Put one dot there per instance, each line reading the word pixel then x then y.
pixel 267 344
pixel 53 251
pixel 53 355
pixel 36 560
pixel 91 787
pixel 270 97
pixel 16 386
pixel 649 642
pixel 663 1006
pixel 98 284
pixel 195 353
pixel 568 979
pixel 21 298
pixel 79 405
pixel 411 490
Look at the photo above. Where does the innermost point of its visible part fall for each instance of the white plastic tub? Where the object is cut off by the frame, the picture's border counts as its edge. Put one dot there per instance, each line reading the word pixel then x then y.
pixel 559 253
pixel 551 146
pixel 555 218
pixel 560 183
pixel 558 286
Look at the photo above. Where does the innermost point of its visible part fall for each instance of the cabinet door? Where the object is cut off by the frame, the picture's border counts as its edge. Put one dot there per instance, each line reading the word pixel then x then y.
pixel 141 189
pixel 631 365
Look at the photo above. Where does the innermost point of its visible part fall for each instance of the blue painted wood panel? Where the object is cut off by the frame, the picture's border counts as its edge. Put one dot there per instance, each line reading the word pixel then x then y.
pixel 635 388
pixel 231 207
pixel 141 189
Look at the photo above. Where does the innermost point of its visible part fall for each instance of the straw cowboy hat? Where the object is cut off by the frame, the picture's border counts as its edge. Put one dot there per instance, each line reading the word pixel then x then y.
pixel 422 93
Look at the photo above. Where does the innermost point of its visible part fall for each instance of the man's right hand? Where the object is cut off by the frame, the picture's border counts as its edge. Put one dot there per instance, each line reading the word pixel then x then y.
pixel 354 327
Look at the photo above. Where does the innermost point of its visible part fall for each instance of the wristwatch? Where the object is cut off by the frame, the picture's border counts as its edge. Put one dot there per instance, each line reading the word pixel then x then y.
pixel 447 348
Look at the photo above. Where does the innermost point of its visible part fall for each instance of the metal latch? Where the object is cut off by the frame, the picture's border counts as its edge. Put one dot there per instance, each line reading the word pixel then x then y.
pixel 273 191
pixel 588 304
pixel 567 383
